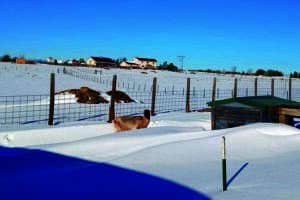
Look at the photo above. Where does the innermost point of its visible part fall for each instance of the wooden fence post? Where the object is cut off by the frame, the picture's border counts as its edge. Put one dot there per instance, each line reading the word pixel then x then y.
pixel 153 96
pixel 52 100
pixel 213 98
pixel 214 87
pixel 188 92
pixel 112 100
pixel 213 119
pixel 235 87
pixel 273 87
pixel 224 167
pixel 173 90
pixel 255 86
pixel 290 89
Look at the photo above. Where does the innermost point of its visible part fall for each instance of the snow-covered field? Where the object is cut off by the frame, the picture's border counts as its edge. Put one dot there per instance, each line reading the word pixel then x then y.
pixel 24 96
pixel 34 79
pixel 177 157
pixel 179 148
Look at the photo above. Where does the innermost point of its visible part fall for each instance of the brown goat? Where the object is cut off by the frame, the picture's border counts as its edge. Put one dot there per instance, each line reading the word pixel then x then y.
pixel 128 123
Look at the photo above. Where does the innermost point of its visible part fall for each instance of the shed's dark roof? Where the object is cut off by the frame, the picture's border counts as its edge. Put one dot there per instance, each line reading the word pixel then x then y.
pixel 147 59
pixel 102 59
pixel 260 101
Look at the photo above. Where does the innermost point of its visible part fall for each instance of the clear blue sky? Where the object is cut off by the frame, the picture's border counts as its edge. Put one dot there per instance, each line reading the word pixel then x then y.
pixel 211 33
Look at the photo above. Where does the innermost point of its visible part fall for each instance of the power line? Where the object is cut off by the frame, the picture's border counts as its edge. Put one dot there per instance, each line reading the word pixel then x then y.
pixel 181 61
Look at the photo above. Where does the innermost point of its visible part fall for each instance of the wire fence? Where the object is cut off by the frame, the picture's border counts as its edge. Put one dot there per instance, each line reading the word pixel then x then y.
pixel 33 110
pixel 128 82
pixel 105 80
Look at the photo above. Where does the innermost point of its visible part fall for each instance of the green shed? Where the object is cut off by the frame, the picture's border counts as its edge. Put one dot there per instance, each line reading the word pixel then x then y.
pixel 233 112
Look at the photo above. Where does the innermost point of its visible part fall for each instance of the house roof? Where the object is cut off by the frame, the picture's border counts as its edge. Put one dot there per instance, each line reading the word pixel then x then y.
pixel 102 59
pixel 146 59
pixel 260 101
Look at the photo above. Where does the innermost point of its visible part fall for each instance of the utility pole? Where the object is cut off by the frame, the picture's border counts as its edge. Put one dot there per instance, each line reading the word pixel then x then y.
pixel 181 61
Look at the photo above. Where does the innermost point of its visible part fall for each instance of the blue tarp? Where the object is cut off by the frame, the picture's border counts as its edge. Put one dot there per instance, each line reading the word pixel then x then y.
pixel 35 175
pixel 297 123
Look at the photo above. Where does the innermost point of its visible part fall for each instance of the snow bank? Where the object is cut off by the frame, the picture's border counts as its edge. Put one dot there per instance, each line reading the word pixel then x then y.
pixel 278 130
pixel 52 135
pixel 101 143
pixel 181 148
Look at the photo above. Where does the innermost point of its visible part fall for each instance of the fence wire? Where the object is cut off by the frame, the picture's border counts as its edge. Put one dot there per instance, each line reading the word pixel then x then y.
pixel 32 110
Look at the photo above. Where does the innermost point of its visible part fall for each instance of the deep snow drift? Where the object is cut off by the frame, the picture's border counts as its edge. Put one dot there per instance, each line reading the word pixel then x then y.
pixel 180 147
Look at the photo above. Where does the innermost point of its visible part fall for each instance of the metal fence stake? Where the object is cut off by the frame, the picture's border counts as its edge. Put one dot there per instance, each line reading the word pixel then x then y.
pixel 224 167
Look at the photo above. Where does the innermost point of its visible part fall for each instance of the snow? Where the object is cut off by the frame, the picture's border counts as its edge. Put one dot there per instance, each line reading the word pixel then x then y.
pixel 36 79
pixel 178 150
pixel 106 96
pixel 279 130
pixel 180 147
pixel 24 97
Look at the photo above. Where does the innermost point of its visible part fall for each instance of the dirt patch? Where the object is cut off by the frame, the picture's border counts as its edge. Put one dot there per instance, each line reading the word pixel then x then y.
pixel 121 97
pixel 86 95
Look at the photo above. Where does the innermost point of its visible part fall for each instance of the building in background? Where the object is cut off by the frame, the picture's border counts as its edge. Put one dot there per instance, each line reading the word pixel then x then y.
pixel 129 65
pixel 51 60
pixel 20 61
pixel 60 62
pixel 146 63
pixel 100 62
pixel 140 63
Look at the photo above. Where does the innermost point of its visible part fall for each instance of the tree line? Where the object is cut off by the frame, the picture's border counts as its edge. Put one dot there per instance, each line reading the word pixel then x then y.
pixel 250 72
pixel 295 75
pixel 7 58
pixel 168 66
pixel 172 67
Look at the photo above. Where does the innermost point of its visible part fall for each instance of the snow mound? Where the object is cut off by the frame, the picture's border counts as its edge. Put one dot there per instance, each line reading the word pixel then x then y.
pixel 277 130
pixel 28 138
pixel 176 148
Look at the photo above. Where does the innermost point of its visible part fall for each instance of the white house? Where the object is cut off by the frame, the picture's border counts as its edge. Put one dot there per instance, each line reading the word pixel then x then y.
pixel 141 63
pixel 51 60
pixel 126 64
pixel 100 62
pixel 149 63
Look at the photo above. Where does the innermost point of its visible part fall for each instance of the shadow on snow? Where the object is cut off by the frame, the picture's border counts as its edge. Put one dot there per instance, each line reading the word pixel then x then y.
pixel 35 175
pixel 236 174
